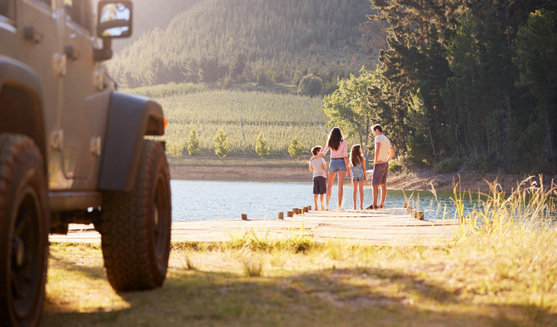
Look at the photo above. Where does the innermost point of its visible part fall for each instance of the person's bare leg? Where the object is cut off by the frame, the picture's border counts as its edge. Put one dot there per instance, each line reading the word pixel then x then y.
pixel 315 201
pixel 355 193
pixel 375 191
pixel 330 187
pixel 361 186
pixel 322 196
pixel 383 194
pixel 340 188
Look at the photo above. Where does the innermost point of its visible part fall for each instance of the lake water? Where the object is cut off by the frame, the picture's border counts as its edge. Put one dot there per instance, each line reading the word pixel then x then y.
pixel 217 200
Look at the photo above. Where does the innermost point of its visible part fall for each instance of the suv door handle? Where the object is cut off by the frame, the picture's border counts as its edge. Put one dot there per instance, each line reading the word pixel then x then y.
pixel 71 52
pixel 31 34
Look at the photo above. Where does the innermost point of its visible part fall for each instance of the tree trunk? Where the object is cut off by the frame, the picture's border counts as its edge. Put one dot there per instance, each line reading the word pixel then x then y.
pixel 548 137
pixel 431 140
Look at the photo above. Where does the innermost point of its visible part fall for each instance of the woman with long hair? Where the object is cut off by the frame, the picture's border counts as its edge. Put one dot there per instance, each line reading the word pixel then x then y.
pixel 339 162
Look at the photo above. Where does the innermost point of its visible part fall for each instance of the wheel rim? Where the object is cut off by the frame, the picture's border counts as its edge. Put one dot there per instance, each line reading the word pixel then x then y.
pixel 161 218
pixel 26 255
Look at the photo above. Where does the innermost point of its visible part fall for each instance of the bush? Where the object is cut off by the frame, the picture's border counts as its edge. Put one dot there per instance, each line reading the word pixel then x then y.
pixel 310 85
pixel 448 165
pixel 261 146
pixel 220 144
pixel 478 163
pixel 194 147
pixel 296 149
pixel 394 167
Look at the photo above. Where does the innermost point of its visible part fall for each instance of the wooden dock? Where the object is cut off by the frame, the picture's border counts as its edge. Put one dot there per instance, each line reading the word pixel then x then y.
pixel 382 226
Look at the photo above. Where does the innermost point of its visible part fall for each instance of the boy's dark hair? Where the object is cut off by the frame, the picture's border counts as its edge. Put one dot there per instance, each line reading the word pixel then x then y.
pixel 377 127
pixel 315 150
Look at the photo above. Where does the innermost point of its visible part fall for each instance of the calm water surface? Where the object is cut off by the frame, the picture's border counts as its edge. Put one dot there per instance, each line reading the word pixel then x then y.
pixel 216 200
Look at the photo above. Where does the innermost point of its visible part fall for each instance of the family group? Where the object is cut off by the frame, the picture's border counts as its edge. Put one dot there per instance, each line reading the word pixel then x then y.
pixel 355 166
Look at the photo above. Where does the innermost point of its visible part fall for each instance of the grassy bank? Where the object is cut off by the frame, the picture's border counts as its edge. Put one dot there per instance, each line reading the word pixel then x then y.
pixel 502 272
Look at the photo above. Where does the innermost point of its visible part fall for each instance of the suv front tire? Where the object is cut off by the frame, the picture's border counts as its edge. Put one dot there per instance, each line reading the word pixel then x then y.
pixel 136 226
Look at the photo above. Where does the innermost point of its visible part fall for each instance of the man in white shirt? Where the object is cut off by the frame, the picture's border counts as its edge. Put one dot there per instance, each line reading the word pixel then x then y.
pixel 383 153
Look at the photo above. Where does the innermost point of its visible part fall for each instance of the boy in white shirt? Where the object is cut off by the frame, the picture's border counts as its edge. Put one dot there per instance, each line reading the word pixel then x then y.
pixel 319 168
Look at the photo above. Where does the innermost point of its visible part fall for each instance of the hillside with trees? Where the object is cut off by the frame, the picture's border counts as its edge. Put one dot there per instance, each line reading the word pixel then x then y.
pixel 236 41
pixel 149 14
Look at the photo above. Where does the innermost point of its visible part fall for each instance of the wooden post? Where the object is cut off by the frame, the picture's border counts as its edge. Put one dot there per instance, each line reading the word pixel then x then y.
pixel 289 214
pixel 244 216
pixel 281 215
pixel 405 205
pixel 420 215
pixel 409 208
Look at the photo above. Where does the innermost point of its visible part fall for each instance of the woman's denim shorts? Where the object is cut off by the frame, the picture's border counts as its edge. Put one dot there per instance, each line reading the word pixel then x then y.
pixel 337 166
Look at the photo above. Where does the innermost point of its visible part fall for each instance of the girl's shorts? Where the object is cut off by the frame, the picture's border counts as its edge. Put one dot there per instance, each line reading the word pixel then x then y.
pixel 358 179
pixel 337 166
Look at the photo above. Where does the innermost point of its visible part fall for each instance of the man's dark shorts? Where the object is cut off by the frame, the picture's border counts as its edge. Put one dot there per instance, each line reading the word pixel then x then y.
pixel 380 173
pixel 319 185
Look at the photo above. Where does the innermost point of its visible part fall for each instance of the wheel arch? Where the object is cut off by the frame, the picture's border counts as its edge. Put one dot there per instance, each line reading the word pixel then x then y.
pixel 21 102
pixel 130 119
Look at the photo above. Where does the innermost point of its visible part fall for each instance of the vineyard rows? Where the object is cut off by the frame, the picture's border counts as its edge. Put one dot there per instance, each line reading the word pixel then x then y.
pixel 243 115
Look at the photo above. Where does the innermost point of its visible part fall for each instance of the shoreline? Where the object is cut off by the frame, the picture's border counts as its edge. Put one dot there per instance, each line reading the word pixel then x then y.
pixel 420 180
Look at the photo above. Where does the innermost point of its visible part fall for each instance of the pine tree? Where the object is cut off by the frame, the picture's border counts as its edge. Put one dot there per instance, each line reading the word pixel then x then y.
pixel 193 145
pixel 261 146
pixel 296 149
pixel 220 144
pixel 414 67
pixel 536 57
pixel 238 65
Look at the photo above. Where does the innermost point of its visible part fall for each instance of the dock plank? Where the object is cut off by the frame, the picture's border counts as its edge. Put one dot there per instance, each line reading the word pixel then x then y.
pixel 383 226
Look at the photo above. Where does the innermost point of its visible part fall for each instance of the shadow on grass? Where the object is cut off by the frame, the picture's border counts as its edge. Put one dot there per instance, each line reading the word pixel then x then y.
pixel 85 270
pixel 330 297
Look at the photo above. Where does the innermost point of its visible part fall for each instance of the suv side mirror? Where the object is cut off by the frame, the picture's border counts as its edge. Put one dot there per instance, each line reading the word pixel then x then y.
pixel 114 19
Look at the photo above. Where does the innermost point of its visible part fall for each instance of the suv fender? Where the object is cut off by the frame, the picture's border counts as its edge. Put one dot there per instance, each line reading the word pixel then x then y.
pixel 21 102
pixel 130 118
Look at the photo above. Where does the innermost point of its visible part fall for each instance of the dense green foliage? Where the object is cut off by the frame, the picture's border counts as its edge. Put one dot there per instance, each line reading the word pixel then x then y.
pixel 233 41
pixel 470 80
pixel 348 107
